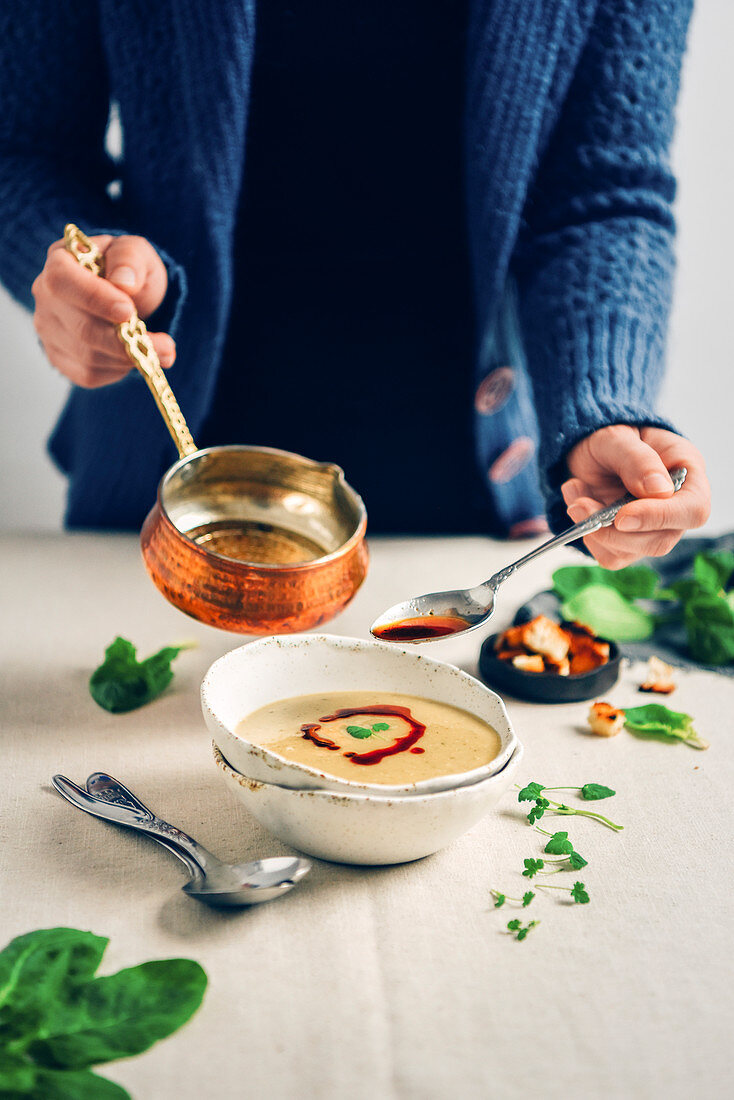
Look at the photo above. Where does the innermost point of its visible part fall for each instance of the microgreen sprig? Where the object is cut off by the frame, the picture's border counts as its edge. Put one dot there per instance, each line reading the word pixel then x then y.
pixel 500 899
pixel 577 891
pixel 532 866
pixel 533 792
pixel 592 792
pixel 521 930
pixel 560 845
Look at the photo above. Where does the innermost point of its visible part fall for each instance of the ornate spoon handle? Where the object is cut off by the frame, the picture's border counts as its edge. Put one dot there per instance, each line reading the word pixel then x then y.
pixel 138 345
pixel 115 803
pixel 603 518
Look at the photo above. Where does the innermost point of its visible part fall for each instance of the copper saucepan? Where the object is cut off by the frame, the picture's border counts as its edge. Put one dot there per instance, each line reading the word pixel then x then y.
pixel 248 539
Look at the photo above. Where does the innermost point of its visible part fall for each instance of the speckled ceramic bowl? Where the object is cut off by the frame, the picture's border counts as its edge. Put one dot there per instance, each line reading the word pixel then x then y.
pixel 275 668
pixel 368 828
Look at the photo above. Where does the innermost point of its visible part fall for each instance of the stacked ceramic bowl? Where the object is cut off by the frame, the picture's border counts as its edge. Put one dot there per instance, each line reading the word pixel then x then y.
pixel 349 820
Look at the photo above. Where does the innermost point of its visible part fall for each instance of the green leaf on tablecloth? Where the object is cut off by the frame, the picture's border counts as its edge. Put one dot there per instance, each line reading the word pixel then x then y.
pixel 656 720
pixel 559 845
pixel 530 793
pixel 122 683
pixel 608 614
pixel 593 792
pixel 579 894
pixel 632 582
pixel 74 1084
pixel 577 862
pixel 532 866
pixel 56 1019
pixel 527 898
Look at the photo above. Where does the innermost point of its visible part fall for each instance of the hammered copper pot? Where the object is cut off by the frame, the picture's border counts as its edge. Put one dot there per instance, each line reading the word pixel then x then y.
pixel 248 539
pixel 299 523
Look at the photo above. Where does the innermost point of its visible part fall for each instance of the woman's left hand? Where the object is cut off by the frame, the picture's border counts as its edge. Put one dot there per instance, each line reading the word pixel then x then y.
pixel 621 458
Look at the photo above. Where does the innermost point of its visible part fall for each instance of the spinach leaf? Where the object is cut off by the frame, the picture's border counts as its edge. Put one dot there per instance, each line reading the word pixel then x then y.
pixel 122 683
pixel 709 623
pixel 608 614
pixel 52 1084
pixel 714 570
pixel 57 1019
pixel 631 582
pixel 656 720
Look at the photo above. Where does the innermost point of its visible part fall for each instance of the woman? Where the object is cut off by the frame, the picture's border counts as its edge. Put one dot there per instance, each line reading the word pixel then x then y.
pixel 323 304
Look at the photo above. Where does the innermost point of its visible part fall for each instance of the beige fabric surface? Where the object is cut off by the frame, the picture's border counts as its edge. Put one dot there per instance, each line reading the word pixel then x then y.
pixel 371 983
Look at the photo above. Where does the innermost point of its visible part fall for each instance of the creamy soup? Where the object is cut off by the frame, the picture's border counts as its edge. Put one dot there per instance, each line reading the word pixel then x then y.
pixel 373 737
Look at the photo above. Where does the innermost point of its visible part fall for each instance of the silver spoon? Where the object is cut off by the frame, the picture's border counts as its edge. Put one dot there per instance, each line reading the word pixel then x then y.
pixel 440 614
pixel 212 881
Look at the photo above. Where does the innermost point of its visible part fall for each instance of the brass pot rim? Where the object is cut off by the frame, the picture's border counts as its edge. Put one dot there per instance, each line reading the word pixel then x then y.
pixel 236 563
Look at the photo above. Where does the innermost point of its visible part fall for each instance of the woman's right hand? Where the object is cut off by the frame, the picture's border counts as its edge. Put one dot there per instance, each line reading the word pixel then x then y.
pixel 76 311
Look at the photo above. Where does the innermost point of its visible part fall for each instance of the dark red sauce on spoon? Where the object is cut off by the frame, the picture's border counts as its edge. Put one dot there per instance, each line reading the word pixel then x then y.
pixel 401 744
pixel 420 629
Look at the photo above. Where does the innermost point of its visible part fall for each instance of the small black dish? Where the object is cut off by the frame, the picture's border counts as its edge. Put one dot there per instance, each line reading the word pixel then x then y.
pixel 547 687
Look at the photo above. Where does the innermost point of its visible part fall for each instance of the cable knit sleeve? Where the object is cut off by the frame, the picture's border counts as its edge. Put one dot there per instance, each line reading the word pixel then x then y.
pixel 594 261
pixel 55 101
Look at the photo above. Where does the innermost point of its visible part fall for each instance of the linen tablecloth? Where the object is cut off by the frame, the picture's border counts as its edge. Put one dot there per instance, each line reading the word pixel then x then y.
pixel 372 983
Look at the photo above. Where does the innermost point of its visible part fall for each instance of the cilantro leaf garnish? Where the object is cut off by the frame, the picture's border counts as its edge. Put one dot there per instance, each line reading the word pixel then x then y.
pixel 532 866
pixel 559 845
pixel 379 726
pixel 592 792
pixel 577 861
pixel 530 793
pixel 578 893
pixel 527 898
pixel 58 1020
pixel 520 928
pixel 499 900
pixel 359 731
pixel 122 683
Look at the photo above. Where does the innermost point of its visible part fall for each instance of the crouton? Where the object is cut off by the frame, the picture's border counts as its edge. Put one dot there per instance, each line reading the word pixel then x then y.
pixel 529 662
pixel 561 668
pixel 510 654
pixel 659 677
pixel 605 719
pixel 542 635
pixel 511 639
pixel 586 653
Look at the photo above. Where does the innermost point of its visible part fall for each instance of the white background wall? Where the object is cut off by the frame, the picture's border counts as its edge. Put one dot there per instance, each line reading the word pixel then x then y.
pixel 699 392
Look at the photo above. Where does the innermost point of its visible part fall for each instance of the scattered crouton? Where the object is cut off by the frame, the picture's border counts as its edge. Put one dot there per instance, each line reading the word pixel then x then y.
pixel 659 677
pixel 529 662
pixel 605 719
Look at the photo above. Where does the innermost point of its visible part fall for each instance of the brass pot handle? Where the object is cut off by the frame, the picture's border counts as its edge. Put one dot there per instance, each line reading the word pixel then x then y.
pixel 138 345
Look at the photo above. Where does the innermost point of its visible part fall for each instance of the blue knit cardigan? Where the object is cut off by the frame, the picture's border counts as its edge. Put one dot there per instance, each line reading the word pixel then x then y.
pixel 569 120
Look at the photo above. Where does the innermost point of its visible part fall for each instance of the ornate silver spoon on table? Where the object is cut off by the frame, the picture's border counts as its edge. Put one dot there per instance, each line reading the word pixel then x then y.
pixel 223 885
